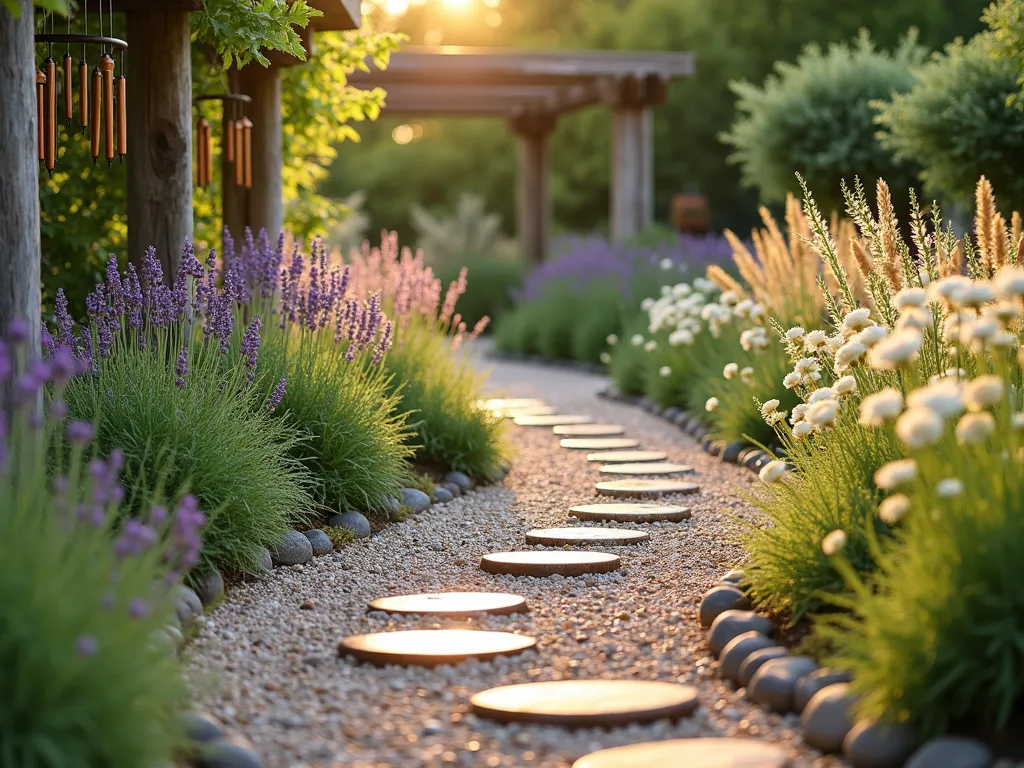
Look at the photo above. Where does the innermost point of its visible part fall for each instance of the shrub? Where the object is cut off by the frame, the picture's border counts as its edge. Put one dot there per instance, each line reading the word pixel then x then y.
pixel 326 338
pixel 468 233
pixel 167 392
pixel 956 125
pixel 490 286
pixel 85 683
pixel 817 117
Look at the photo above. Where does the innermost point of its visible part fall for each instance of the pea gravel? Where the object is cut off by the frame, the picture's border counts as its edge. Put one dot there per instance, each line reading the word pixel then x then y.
pixel 265 662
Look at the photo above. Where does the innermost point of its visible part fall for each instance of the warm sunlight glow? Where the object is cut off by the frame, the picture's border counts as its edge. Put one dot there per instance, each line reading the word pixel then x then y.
pixel 403 134
pixel 396 7
pixel 457 5
pixel 492 3
pixel 492 19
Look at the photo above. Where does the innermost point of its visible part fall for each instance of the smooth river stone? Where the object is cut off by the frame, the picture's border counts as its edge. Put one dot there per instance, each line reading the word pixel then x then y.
pixel 587 703
pixel 589 430
pixel 432 647
pixel 626 457
pixel 541 563
pixel 609 537
pixel 691 753
pixel 599 443
pixel 648 468
pixel 630 513
pixel 552 420
pixel 507 403
pixel 640 487
pixel 451 604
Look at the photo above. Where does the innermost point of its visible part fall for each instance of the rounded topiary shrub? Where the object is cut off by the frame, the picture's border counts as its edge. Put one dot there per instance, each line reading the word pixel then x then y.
pixel 957 125
pixel 817 117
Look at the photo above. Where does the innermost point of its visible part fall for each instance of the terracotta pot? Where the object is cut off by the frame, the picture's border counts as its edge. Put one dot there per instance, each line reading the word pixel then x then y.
pixel 690 213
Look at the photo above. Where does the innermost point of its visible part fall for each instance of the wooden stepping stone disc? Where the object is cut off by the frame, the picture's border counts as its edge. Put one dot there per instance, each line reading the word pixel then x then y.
pixel 552 420
pixel 647 468
pixel 627 489
pixel 506 403
pixel 540 563
pixel 587 703
pixel 691 753
pixel 626 457
pixel 589 430
pixel 630 513
pixel 431 647
pixel 451 604
pixel 609 537
pixel 599 443
pixel 537 410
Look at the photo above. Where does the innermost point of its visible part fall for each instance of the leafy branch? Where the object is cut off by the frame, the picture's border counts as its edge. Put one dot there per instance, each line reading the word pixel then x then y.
pixel 240 31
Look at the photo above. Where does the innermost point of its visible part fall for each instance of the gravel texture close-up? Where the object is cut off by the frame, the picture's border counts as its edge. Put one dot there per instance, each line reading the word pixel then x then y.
pixel 268 667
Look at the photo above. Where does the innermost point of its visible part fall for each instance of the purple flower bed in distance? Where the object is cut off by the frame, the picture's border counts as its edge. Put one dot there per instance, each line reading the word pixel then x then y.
pixel 580 259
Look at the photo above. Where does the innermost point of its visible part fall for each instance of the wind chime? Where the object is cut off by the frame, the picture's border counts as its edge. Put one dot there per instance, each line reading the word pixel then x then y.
pixel 236 142
pixel 105 113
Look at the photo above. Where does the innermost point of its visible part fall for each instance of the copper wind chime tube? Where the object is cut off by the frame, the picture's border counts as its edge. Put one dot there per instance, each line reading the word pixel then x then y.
pixel 102 96
pixel 236 144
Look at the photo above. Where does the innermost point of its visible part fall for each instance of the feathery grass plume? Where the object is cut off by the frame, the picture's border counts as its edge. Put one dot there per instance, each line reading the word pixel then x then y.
pixel 889 229
pixel 725 281
pixel 1000 240
pixel 862 259
pixel 821 240
pixel 749 269
pixel 984 219
pixel 1016 235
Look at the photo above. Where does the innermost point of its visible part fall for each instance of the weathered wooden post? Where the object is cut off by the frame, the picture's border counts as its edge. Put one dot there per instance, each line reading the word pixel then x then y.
pixel 533 201
pixel 159 68
pixel 19 175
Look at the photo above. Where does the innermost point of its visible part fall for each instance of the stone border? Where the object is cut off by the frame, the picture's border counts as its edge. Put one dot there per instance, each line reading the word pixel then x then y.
pixel 768 675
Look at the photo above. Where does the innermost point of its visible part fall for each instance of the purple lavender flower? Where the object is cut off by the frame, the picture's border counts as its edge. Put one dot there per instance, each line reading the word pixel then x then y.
pixel 63 365
pixel 132 298
pixel 152 278
pixel 26 388
pixel 157 515
pixel 136 537
pixel 47 342
pixel 58 410
pixel 87 646
pixel 234 282
pixel 277 395
pixel 385 341
pixel 138 608
pixel 104 335
pixel 187 541
pixel 181 368
pixel 62 317
pixel 251 344
pixel 115 291
pixel 17 331
pixel 96 302
pixel 79 433
pixel 228 245
pixel 3 439
pixel 189 263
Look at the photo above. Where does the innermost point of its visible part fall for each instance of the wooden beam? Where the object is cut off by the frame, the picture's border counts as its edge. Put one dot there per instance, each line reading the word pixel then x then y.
pixel 156 5
pixel 19 180
pixel 503 100
pixel 159 66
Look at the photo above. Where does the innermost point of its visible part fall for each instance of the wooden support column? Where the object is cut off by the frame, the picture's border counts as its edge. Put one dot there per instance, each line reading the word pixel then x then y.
pixel 159 71
pixel 19 176
pixel 632 162
pixel 263 86
pixel 533 201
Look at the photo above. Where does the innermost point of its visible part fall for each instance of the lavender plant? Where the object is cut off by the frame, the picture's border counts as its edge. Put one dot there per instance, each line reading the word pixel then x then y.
pixel 171 382
pixel 82 590
pixel 324 341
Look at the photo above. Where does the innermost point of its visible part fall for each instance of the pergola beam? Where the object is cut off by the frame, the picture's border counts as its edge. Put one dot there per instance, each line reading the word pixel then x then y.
pixel 501 100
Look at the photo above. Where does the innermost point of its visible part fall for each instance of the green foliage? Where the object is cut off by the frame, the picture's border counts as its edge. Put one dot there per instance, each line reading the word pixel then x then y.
pixel 213 436
pixel 242 30
pixel 467 233
pixel 57 6
pixel 629 363
pixel 355 432
pixel 440 392
pixel 956 125
pixel 817 117
pixel 1006 20
pixel 340 537
pixel 490 285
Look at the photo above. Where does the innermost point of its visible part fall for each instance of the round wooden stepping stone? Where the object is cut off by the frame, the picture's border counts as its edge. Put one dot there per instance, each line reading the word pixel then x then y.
pixel 647 468
pixel 609 537
pixel 540 563
pixel 639 487
pixel 451 604
pixel 431 647
pixel 630 513
pixel 692 753
pixel 589 430
pixel 626 457
pixel 587 703
pixel 507 403
pixel 599 443
pixel 552 420
pixel 537 410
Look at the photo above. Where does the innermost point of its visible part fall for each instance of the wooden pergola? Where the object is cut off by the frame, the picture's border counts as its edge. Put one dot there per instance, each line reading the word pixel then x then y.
pixel 530 89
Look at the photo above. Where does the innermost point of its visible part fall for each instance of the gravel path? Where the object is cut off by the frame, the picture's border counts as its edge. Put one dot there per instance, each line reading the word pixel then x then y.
pixel 272 672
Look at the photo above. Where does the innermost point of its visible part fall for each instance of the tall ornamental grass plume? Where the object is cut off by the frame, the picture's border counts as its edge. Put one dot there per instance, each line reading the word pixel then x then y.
pixel 321 367
pixel 435 385
pixel 171 383
pixel 919 308
pixel 83 590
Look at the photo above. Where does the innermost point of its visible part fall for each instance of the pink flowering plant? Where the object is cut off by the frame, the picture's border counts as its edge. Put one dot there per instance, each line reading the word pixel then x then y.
pixel 83 587
pixel 323 343
pixel 171 380
pixel 435 381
